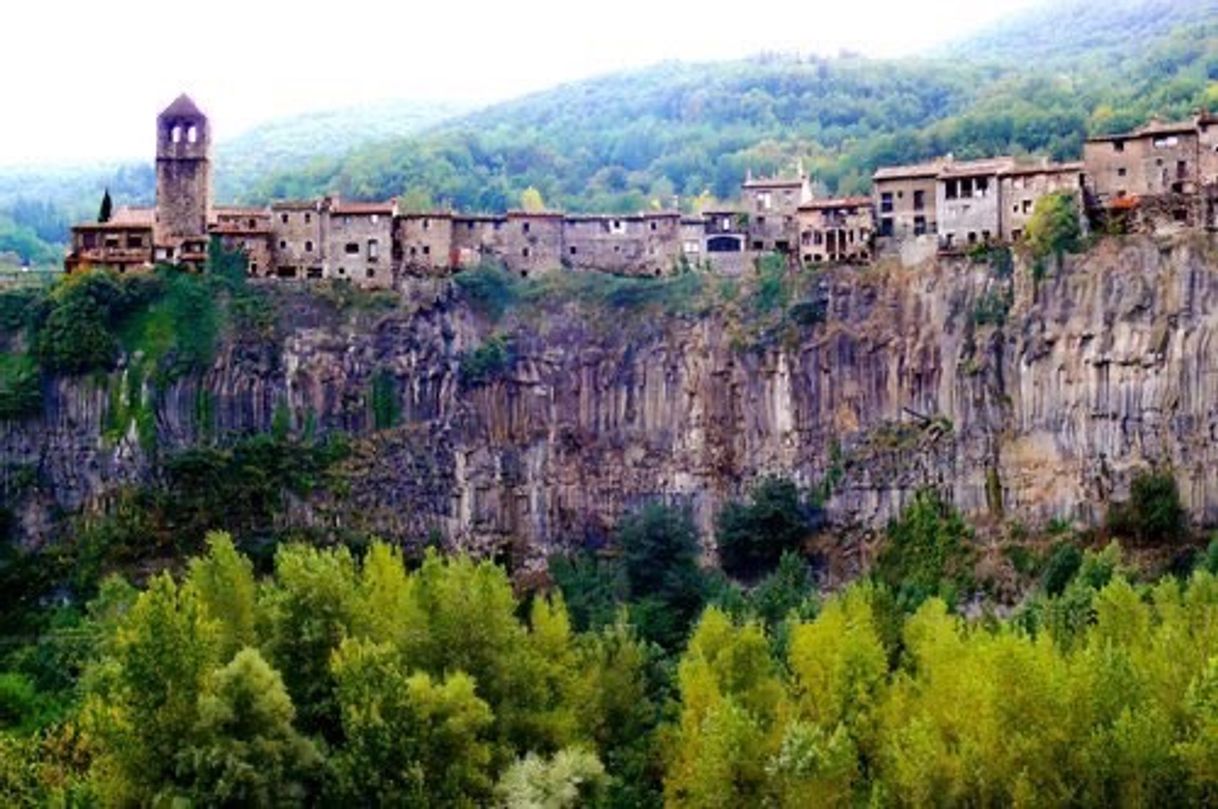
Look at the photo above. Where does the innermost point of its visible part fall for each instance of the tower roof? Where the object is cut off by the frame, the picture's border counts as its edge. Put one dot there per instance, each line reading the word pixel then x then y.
pixel 182 107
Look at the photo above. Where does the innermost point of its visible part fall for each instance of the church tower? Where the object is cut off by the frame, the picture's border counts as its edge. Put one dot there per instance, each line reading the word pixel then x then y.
pixel 183 172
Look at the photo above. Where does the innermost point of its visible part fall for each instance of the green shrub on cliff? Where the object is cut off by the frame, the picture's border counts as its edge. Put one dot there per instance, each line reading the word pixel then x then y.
pixel 1153 513
pixel 754 535
pixel 1053 230
pixel 20 386
pixel 927 552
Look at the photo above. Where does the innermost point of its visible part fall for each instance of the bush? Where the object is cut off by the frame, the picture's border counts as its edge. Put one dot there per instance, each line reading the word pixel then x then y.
pixel 753 536
pixel 1064 562
pixel 488 288
pixel 20 386
pixel 1153 513
pixel 927 552
pixel 660 550
pixel 486 362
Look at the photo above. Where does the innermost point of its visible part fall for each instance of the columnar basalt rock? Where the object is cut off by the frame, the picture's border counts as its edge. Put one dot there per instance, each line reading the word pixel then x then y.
pixel 1097 370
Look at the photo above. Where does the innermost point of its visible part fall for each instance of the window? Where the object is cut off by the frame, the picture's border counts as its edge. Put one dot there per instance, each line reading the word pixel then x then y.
pixel 985 235
pixel 374 250
pixel 886 202
pixel 525 228
pixel 369 273
pixel 134 241
pixel 758 245
pixel 426 251
pixel 726 223
pixel 314 272
pixel 817 237
pixel 192 135
pixel 951 189
pixel 283 217
pixel 1166 142
pixel 763 201
pixel 375 218
pixel 1016 234
pixel 308 247
pixel 691 246
pixel 919 200
pixel 1027 206
pixel 919 225
pixel 761 221
pixel 253 268
pixel 426 224
pixel 252 224
pixel 572 250
pixel 1121 172
pixel 966 188
pixel 1118 146
pixel 983 186
pixel 342 270
pixel 351 248
pixel 525 252
pixel 886 226
pixel 972 237
pixel 469 225
pixel 283 245
pixel 653 225
pixel 414 250
pixel 308 217
pixel 176 135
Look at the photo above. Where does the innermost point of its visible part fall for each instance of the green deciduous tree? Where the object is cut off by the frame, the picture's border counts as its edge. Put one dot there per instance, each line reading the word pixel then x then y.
pixel 409 740
pixel 246 751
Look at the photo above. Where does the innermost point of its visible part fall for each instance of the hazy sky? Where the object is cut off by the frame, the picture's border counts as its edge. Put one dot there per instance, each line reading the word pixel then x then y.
pixel 84 80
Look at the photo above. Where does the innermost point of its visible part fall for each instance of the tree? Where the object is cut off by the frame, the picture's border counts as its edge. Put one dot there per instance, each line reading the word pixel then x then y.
pixel 409 739
pixel 144 698
pixel 531 201
pixel 927 551
pixel 1053 229
pixel 1153 513
pixel 753 536
pixel 571 778
pixel 309 609
pixel 660 549
pixel 247 753
pixel 224 581
pixel 103 214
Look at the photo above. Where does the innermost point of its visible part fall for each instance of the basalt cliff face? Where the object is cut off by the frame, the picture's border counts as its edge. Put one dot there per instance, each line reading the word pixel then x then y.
pixel 906 378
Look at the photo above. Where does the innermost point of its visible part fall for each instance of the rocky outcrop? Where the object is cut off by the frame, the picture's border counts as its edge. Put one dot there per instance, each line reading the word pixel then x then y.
pixel 911 378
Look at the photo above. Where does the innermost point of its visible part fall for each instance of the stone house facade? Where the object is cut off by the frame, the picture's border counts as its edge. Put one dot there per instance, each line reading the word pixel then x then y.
pixel 836 230
pixel 1021 186
pixel 296 239
pixel 903 198
pixel 967 202
pixel 358 241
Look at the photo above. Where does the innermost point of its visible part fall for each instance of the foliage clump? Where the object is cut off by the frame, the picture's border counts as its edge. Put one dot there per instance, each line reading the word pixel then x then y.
pixel 754 535
pixel 1153 514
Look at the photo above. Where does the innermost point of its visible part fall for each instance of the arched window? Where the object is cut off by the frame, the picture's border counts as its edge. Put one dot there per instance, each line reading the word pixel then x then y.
pixel 177 134
pixel 192 134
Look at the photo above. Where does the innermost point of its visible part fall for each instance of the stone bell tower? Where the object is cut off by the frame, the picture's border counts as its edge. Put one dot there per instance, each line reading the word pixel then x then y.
pixel 183 172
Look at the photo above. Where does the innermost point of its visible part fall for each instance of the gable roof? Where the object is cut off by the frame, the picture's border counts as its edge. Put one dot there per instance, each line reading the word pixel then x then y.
pixel 182 107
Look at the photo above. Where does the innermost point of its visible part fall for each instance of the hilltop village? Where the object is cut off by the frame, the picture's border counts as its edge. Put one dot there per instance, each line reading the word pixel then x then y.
pixel 1162 176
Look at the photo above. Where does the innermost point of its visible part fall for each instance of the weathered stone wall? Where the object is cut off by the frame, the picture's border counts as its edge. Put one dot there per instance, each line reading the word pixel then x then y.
pixel 297 240
pixel 1099 370
pixel 359 246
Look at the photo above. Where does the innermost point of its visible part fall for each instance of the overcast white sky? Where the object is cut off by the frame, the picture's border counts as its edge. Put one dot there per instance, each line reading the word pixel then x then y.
pixel 83 80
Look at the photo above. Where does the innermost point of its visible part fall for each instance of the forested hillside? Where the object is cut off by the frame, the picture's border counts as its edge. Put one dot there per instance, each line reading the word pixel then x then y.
pixel 629 140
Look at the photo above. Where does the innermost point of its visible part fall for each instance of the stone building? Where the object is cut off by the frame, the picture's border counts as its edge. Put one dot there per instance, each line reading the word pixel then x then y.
pixel 183 183
pixel 477 238
pixel 836 230
pixel 1155 176
pixel 771 205
pixel 358 241
pixel 904 201
pixel 967 202
pixel 1022 185
pixel 296 239
pixel 639 244
pixel 531 242
pixel 424 242
pixel 124 243
pixel 247 230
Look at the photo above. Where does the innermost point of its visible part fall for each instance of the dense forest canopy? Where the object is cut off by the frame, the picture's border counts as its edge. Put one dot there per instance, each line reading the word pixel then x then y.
pixel 1038 83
